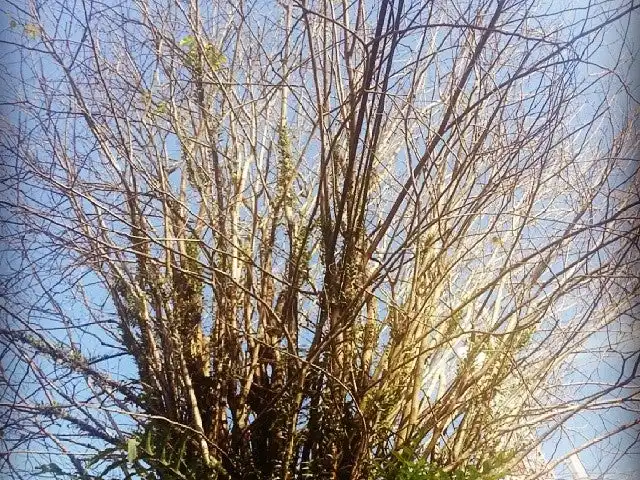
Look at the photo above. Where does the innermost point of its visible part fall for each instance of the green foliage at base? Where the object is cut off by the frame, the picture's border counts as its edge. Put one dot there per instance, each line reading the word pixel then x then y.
pixel 404 468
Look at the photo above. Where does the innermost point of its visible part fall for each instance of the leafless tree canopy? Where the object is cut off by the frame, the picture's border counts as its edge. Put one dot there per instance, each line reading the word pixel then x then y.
pixel 315 238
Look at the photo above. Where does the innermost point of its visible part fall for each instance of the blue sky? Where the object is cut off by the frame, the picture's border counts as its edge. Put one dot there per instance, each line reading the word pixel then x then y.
pixel 585 425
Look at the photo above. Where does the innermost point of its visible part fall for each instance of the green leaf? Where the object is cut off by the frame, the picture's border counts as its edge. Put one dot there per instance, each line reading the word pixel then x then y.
pixel 132 449
pixel 102 455
pixel 112 466
pixel 50 468
pixel 181 452
pixel 31 30
pixel 187 41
